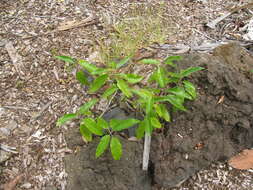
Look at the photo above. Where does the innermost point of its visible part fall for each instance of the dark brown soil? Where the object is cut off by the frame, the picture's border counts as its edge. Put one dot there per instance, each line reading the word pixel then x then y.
pixel 216 126
pixel 210 130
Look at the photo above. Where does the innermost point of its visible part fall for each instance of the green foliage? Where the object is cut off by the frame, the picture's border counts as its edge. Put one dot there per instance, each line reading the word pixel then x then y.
pixel 85 107
pixel 103 145
pixel 169 91
pixel 122 85
pixel 82 78
pixel 65 118
pixel 66 59
pixel 98 83
pixel 119 125
pixel 116 148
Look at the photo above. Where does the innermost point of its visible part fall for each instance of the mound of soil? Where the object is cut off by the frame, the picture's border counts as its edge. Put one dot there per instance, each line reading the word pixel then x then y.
pixel 87 173
pixel 216 126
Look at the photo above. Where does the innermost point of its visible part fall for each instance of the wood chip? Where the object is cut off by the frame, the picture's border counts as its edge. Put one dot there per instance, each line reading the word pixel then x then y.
pixel 213 23
pixel 221 100
pixel 15 58
pixel 69 25
pixel 243 160
pixel 12 184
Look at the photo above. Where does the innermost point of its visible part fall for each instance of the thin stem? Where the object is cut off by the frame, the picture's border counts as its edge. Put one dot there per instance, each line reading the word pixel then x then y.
pixel 108 104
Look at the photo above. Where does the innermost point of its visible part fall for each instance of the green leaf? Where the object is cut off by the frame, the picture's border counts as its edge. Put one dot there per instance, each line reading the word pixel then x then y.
pixel 85 133
pixel 251 70
pixel 173 99
pixel 176 101
pixel 85 107
pixel 179 91
pixel 150 61
pixel 116 148
pixel 172 80
pixel 99 71
pixel 103 145
pixel 66 59
pixel 124 87
pixel 149 105
pixel 162 112
pixel 119 125
pixel 140 130
pixel 112 65
pixel 82 78
pixel 158 109
pixel 123 62
pixel 65 118
pixel 88 66
pixel 92 126
pixel 153 77
pixel 190 70
pixel 161 78
pixel 175 75
pixel 98 83
pixel 102 123
pixel 143 93
pixel 155 122
pixel 165 113
pixel 109 91
pixel 190 88
pixel 169 60
pixel 132 78
pixel 147 124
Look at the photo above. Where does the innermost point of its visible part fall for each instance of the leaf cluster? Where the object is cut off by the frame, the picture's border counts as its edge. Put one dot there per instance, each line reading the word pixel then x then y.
pixel 169 91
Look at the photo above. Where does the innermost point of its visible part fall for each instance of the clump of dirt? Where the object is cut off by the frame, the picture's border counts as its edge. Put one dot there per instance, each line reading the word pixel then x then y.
pixel 86 172
pixel 216 126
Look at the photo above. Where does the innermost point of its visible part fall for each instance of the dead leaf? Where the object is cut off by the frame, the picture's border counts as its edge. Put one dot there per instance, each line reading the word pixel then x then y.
pixel 12 184
pixel 243 160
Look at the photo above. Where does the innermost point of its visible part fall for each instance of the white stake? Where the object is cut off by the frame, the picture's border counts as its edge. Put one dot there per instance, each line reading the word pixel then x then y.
pixel 146 151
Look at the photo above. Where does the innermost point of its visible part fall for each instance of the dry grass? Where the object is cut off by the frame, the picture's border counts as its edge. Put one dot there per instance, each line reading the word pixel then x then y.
pixel 140 27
